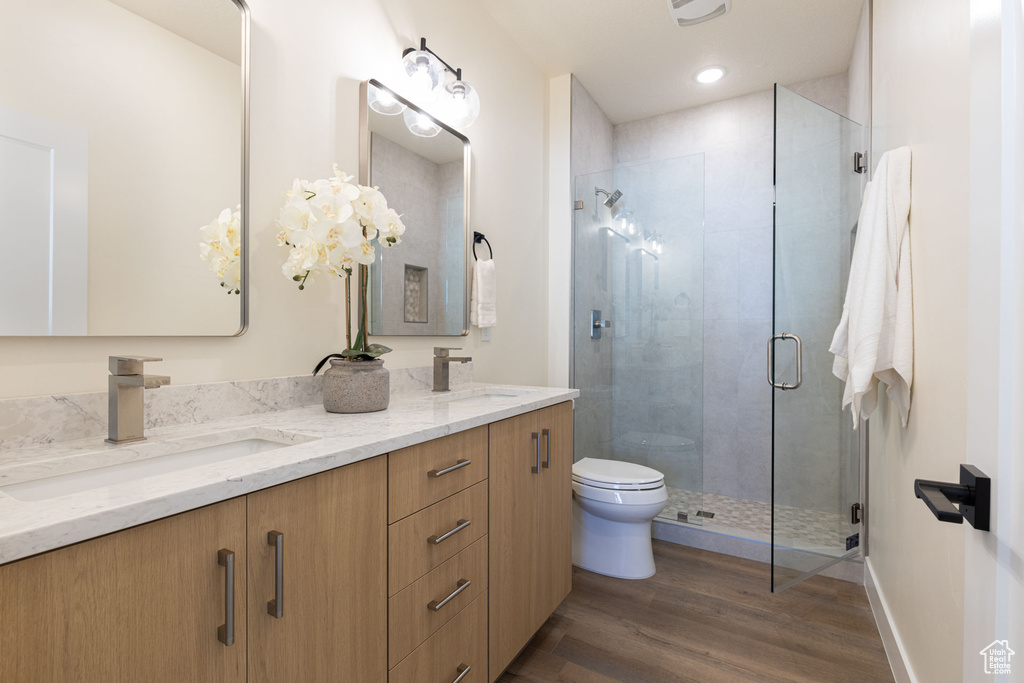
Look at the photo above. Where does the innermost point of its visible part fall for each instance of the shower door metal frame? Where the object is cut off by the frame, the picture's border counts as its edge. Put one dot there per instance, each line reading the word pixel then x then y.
pixel 860 551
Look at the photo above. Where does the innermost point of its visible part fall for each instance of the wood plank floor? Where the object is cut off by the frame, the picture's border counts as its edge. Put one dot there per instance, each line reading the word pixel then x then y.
pixel 705 617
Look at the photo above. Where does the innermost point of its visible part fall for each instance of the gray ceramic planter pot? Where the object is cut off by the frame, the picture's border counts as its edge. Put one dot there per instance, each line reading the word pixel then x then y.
pixel 362 386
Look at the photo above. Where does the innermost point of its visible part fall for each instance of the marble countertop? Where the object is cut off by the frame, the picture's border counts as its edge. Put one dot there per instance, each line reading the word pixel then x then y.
pixel 314 441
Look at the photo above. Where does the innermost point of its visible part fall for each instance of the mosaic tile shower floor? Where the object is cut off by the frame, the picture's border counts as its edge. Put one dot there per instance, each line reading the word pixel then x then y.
pixel 796 527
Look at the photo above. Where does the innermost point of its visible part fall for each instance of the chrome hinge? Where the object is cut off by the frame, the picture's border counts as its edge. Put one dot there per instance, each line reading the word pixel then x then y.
pixel 860 162
pixel 855 513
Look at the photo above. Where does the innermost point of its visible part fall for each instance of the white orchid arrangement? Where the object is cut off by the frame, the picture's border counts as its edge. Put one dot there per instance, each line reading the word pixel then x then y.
pixel 331 227
pixel 221 248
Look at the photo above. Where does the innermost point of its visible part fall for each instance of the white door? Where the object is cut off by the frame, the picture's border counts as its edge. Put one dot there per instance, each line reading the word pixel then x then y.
pixel 994 560
pixel 44 262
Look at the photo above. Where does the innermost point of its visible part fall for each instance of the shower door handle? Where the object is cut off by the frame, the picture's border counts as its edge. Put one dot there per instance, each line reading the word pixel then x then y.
pixel 799 361
pixel 596 324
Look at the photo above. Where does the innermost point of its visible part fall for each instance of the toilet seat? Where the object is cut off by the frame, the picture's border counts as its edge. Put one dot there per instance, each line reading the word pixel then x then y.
pixel 616 475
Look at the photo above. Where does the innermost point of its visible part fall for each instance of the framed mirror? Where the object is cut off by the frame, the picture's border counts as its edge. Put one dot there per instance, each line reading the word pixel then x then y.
pixel 420 287
pixel 123 167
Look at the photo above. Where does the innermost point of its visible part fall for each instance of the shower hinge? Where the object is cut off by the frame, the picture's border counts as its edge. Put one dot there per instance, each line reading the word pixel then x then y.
pixel 577 205
pixel 860 162
pixel 855 513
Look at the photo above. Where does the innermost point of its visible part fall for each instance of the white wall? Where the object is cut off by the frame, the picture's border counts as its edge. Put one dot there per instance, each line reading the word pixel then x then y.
pixel 308 57
pixel 920 98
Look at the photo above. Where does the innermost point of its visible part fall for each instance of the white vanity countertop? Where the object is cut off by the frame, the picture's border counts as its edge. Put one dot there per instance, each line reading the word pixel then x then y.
pixel 319 441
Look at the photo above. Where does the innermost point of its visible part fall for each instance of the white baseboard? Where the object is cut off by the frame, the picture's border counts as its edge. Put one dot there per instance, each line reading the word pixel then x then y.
pixel 901 670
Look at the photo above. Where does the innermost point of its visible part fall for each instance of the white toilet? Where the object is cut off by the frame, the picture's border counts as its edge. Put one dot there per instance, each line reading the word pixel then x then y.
pixel 613 505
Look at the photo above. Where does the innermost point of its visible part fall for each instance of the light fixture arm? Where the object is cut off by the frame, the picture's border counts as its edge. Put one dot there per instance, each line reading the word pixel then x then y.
pixel 448 67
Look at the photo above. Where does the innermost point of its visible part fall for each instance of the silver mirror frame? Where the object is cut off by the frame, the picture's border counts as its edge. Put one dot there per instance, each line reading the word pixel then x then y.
pixel 243 326
pixel 364 179
pixel 244 12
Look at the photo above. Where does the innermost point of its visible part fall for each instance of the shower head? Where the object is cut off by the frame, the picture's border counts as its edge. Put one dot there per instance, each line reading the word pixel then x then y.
pixel 611 197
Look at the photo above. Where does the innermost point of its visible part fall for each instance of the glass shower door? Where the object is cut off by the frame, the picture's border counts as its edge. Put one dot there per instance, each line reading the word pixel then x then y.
pixel 638 274
pixel 815 452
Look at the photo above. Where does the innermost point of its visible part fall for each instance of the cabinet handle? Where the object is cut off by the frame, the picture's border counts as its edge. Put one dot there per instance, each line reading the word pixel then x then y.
pixel 462 585
pixel 226 633
pixel 536 438
pixel 547 435
pixel 460 525
pixel 275 607
pixel 459 464
pixel 463 670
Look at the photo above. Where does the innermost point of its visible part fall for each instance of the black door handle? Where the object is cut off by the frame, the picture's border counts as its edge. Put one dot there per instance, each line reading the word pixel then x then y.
pixel 973 494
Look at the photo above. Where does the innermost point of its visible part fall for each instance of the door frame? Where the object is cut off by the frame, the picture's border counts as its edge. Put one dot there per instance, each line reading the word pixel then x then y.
pixel 993 594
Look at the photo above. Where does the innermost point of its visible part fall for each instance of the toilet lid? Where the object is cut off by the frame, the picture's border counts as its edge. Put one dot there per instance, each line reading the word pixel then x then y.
pixel 616 474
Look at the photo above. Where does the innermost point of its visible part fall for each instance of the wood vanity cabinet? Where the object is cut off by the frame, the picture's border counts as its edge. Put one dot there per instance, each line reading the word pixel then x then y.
pixel 434 563
pixel 143 604
pixel 531 526
pixel 332 623
pixel 148 603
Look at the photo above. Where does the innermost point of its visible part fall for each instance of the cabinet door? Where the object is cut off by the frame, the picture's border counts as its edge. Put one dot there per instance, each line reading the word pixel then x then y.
pixel 514 516
pixel 333 606
pixel 139 605
pixel 553 570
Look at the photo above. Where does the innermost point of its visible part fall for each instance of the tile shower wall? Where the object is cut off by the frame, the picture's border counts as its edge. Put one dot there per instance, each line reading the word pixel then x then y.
pixel 735 137
pixel 591 152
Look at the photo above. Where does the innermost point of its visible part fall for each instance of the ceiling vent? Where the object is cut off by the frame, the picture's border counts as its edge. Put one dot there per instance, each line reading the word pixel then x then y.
pixel 690 12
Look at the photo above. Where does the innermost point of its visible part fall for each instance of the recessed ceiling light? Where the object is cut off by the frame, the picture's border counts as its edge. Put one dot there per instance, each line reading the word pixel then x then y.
pixel 709 75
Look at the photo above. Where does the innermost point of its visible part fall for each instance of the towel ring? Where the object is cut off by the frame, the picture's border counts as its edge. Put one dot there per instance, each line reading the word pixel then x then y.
pixel 478 237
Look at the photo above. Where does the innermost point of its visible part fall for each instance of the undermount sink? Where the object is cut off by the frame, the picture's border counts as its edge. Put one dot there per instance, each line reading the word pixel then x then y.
pixel 176 461
pixel 481 395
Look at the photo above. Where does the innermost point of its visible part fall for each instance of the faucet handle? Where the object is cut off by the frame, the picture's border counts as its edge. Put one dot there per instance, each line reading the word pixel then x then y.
pixel 442 351
pixel 129 365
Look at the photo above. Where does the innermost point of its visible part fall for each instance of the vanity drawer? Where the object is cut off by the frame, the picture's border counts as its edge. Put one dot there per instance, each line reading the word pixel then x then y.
pixel 462 642
pixel 426 539
pixel 415 613
pixel 423 474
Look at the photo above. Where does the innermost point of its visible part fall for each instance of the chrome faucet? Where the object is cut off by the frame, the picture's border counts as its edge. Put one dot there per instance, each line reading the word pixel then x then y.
pixel 125 405
pixel 441 361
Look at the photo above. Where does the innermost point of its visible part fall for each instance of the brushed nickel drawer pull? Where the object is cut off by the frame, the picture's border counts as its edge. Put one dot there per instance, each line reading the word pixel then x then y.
pixel 536 439
pixel 459 464
pixel 460 525
pixel 547 437
pixel 226 633
pixel 463 670
pixel 275 607
pixel 462 585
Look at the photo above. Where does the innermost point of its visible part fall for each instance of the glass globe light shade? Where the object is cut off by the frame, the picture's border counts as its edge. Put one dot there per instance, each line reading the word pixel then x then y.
pixel 420 124
pixel 424 71
pixel 461 104
pixel 383 102
pixel 660 248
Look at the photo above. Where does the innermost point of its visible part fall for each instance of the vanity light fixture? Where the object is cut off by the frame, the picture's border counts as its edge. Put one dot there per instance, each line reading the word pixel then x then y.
pixel 626 221
pixel 382 101
pixel 710 74
pixel 457 101
pixel 420 124
pixel 655 242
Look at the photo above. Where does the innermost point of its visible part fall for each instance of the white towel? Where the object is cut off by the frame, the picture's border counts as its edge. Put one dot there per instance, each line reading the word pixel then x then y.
pixel 875 338
pixel 482 306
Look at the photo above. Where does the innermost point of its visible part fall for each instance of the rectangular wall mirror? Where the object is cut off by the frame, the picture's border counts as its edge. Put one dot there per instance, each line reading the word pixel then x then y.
pixel 420 287
pixel 123 133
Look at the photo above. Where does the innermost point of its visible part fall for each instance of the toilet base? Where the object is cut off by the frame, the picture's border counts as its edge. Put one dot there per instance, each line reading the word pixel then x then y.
pixel 618 549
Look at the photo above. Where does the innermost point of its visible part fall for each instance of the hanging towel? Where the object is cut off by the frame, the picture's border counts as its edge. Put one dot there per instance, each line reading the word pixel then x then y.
pixel 875 337
pixel 482 308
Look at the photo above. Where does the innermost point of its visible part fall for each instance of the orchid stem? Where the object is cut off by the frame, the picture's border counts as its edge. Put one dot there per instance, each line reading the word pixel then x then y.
pixel 348 312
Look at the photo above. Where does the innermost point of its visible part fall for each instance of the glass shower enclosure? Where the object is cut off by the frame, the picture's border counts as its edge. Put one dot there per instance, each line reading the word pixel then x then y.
pixel 641 337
